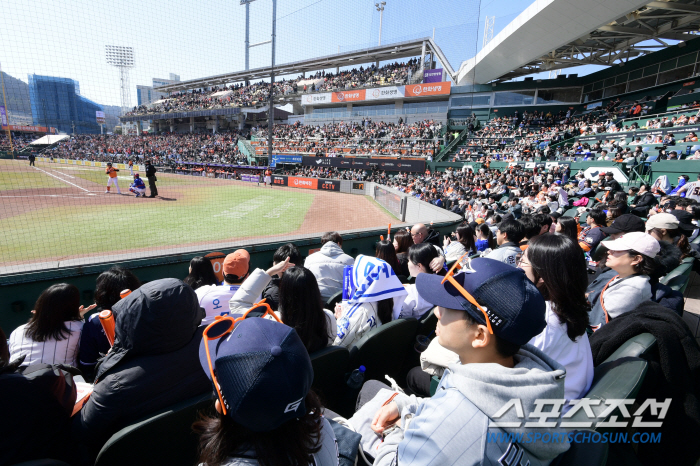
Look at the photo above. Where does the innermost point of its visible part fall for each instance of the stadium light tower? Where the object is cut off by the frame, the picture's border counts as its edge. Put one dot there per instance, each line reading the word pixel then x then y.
pixel 247 28
pixel 122 58
pixel 380 9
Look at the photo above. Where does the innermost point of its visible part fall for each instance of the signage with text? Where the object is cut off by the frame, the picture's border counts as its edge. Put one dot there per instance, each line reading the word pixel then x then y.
pixel 304 183
pixel 329 185
pixel 402 165
pixel 279 180
pixel 379 93
pixel 349 96
pixel 432 76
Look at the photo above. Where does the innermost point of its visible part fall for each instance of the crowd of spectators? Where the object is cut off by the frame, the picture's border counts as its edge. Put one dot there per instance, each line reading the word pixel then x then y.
pixel 19 141
pixel 257 94
pixel 190 147
pixel 362 138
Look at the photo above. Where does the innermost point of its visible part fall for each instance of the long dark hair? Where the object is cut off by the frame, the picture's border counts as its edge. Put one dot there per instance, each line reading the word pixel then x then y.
pixel 292 443
pixel 560 263
pixel 56 305
pixel 404 240
pixel 385 310
pixel 422 254
pixel 569 227
pixel 466 238
pixel 111 283
pixel 202 273
pixel 301 308
pixel 386 252
pixel 486 231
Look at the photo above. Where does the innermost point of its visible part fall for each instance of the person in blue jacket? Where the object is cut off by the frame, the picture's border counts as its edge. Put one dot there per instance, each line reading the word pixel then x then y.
pixel 138 187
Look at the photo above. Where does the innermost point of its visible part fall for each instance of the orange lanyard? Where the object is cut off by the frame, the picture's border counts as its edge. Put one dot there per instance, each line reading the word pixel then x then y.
pixel 607 318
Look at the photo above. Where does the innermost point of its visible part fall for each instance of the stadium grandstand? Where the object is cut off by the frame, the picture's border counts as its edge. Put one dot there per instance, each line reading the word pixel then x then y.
pixel 421 263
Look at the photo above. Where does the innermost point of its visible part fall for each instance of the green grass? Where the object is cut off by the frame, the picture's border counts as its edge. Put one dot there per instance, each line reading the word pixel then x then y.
pixel 206 214
pixel 97 175
pixel 26 180
pixel 370 199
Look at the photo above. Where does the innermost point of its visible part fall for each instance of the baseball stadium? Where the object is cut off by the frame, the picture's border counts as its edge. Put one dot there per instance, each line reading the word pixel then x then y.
pixel 491 205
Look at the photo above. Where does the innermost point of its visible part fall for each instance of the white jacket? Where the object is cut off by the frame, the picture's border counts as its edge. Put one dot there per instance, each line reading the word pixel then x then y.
pixel 249 293
pixel 327 266
pixel 356 320
pixel 413 306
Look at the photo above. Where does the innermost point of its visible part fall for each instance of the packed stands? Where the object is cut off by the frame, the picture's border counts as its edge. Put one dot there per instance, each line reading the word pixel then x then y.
pixel 257 95
pixel 19 141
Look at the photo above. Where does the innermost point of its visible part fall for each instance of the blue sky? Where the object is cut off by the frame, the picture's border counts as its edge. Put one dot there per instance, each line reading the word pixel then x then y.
pixel 206 37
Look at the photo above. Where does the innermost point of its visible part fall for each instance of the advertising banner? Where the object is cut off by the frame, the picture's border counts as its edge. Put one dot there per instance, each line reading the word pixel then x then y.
pixel 329 185
pixel 364 163
pixel 284 159
pixel 421 90
pixel 100 117
pixel 305 183
pixel 349 96
pixel 432 76
pixel 250 178
pixel 389 92
pixel 3 116
pixel 314 99
pixel 31 129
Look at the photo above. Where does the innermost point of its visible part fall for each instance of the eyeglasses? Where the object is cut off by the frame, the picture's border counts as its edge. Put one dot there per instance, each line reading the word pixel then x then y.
pixel 222 326
pixel 520 261
pixel 450 278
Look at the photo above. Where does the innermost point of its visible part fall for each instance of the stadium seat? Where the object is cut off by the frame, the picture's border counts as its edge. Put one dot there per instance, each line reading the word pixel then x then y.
pixel 618 379
pixel 329 369
pixel 600 195
pixel 333 300
pixel 678 278
pixel 383 349
pixel 583 454
pixel 164 438
pixel 427 323
pixel 571 212
pixel 640 346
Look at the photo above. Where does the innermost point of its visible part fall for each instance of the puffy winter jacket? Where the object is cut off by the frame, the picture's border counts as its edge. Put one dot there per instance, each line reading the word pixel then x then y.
pixel 154 362
pixel 327 266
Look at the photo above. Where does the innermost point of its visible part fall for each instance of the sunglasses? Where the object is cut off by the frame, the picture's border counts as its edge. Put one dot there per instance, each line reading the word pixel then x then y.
pixel 450 278
pixel 222 326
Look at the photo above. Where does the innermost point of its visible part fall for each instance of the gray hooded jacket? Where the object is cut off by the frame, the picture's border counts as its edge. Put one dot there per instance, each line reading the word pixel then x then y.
pixel 456 425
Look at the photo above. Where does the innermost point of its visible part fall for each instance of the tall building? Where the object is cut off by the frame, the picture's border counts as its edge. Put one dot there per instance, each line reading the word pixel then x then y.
pixel 146 95
pixel 57 102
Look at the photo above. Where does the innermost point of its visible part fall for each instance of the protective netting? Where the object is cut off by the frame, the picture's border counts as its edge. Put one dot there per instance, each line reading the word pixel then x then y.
pixel 81 90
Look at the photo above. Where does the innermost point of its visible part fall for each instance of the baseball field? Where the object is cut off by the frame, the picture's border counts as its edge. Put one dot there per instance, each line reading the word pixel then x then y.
pixel 55 212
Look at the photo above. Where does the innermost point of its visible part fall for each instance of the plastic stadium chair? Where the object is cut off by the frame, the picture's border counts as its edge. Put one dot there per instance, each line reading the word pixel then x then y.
pixel 329 369
pixel 678 278
pixel 333 300
pixel 618 379
pixel 600 195
pixel 640 346
pixel 571 212
pixel 383 349
pixel 427 323
pixel 164 438
pixel 583 454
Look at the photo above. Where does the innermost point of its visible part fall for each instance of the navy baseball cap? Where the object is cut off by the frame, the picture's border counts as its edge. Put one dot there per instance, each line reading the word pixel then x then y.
pixel 264 373
pixel 625 223
pixel 515 307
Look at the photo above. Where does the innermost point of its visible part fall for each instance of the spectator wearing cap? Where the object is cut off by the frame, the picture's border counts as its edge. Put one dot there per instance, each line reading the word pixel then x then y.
pixel 266 411
pixel 215 298
pixel 328 264
pixel 670 228
pixel 632 257
pixel 496 365
pixel 153 362
pixel 250 291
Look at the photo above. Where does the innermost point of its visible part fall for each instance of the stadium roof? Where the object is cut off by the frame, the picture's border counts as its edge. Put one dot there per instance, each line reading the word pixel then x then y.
pixel 557 34
pixel 386 52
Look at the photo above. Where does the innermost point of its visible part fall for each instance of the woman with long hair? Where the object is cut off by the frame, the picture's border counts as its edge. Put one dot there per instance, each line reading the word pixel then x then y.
pixel 466 243
pixel 275 419
pixel 386 251
pixel 666 227
pixel 557 266
pixel 402 241
pixel 201 273
pixel 301 308
pixel 419 258
pixel 567 226
pixel 52 334
pixel 484 238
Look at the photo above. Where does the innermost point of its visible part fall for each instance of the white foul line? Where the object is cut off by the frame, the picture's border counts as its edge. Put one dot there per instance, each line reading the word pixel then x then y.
pixel 63 174
pixel 61 179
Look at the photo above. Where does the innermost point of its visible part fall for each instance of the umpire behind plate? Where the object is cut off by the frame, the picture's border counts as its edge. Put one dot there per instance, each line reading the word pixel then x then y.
pixel 151 175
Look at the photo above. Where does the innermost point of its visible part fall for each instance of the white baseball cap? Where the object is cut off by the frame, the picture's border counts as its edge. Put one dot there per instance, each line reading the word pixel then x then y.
pixel 662 220
pixel 641 242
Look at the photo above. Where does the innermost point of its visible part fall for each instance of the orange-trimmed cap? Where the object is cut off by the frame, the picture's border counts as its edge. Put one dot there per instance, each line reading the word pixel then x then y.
pixel 237 263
